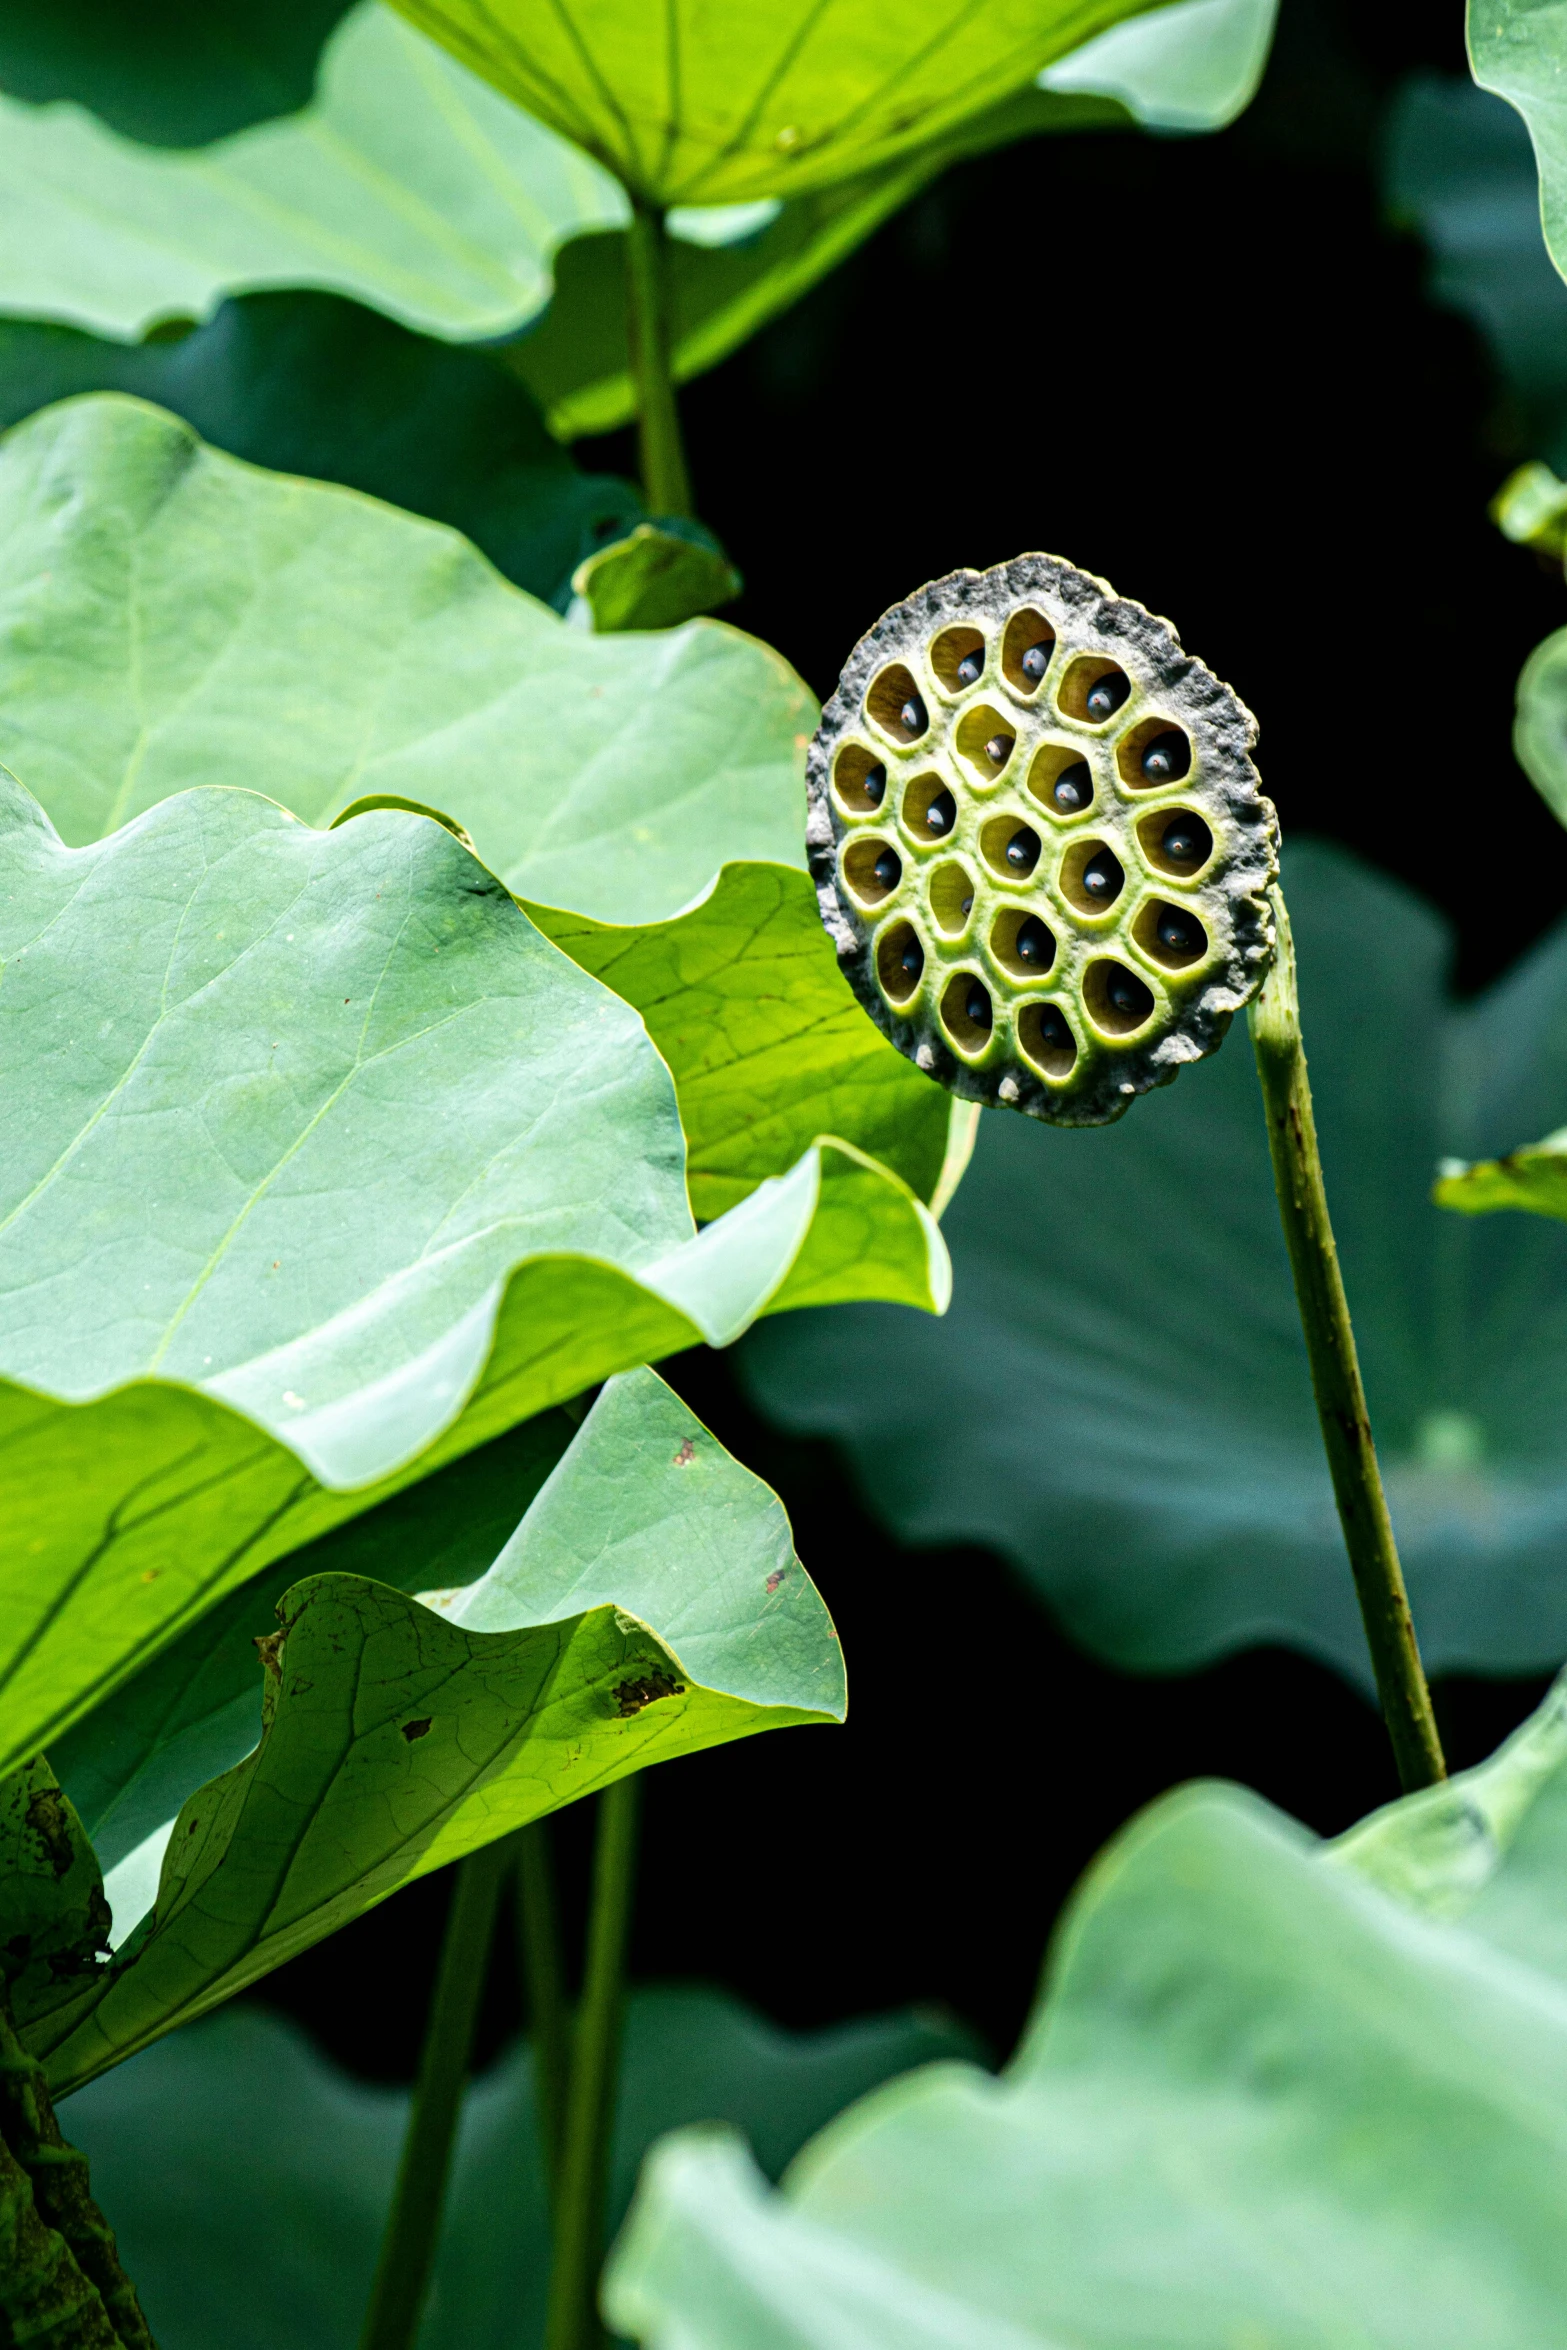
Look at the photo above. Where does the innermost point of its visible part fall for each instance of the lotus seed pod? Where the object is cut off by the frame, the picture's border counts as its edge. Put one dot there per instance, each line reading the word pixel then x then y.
pixel 1079 846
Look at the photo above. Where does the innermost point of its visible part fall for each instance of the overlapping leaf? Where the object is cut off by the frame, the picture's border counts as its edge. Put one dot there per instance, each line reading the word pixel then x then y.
pixel 305 383
pixel 1518 48
pixel 649 1604
pixel 1276 2094
pixel 324 1166
pixel 692 106
pixel 168 617
pixel 237 2133
pixel 1119 1400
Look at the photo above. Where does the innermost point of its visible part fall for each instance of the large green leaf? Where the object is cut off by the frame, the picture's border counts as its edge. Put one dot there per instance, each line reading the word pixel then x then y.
pixel 649 1604
pixel 768 1049
pixel 171 617
pixel 1193 66
pixel 1458 168
pixel 237 2133
pixel 1518 48
pixel 1276 2095
pixel 323 1167
pixel 1119 1400
pixel 702 105
pixel 407 184
pixel 306 383
pixel 154 595
pixel 1540 729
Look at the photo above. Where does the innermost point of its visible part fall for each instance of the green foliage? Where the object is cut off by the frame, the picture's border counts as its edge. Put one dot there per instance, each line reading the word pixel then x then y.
pixel 238 2134
pixel 692 109
pixel 407 185
pixel 1275 2093
pixel 1533 1178
pixel 648 1605
pixel 158 596
pixel 1518 48
pixel 655 578
pixel 306 383
pixel 326 1167
pixel 1128 1293
pixel 1540 730
pixel 1193 66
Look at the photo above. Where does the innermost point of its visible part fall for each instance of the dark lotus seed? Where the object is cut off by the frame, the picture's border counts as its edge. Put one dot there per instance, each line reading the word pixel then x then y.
pixel 1181 933
pixel 1023 851
pixel 1074 787
pixel 1037 660
pixel 1128 996
pixel 977 1005
pixel 1035 944
pixel 1167 758
pixel 971 668
pixel 887 869
pixel 875 785
pixel 999 749
pixel 1106 695
pixel 968 905
pixel 1054 1033
pixel 941 815
pixel 912 717
pixel 912 959
pixel 1102 876
pixel 1186 840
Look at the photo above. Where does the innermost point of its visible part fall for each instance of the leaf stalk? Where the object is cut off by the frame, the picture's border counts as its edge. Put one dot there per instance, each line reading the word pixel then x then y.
pixel 572 2322
pixel 413 2227
pixel 1274 1018
pixel 666 483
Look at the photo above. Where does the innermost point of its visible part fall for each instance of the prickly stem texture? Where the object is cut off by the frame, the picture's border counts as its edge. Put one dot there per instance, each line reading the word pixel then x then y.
pixel 1335 1371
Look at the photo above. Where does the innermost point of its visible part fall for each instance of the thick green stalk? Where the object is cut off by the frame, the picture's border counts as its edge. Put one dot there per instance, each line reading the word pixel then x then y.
pixel 544 1987
pixel 665 482
pixel 572 2323
pixel 1335 1371
pixel 402 2277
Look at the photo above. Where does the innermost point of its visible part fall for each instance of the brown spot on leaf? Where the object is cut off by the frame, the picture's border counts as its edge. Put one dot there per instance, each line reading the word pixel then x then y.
pixel 774 1579
pixel 269 1646
pixel 686 1455
pixel 419 1729
pixel 631 1696
pixel 47 1820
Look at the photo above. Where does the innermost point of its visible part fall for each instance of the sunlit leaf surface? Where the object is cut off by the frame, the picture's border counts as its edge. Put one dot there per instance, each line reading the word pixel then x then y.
pixel 648 1605
pixel 1119 1400
pixel 1276 2093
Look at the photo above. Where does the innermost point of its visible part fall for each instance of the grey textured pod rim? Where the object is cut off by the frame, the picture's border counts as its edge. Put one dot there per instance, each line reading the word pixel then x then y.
pixel 1193 1006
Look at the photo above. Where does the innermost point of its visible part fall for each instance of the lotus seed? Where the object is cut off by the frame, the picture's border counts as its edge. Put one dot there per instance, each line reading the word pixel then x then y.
pixel 999 749
pixel 971 667
pixel 1186 840
pixel 875 785
pixel 1128 996
pixel 912 959
pixel 887 869
pixel 977 1005
pixel 1054 1033
pixel 1181 933
pixel 1106 695
pixel 1035 944
pixel 1074 787
pixel 912 717
pixel 968 905
pixel 941 815
pixel 1167 758
pixel 1102 876
pixel 1023 851
pixel 1037 660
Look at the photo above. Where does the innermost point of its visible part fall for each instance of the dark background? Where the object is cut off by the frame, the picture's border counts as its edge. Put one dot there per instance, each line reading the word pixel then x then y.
pixel 1206 369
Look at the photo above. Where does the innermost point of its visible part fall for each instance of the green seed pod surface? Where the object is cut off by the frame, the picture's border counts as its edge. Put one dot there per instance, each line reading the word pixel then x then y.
pixel 1148 955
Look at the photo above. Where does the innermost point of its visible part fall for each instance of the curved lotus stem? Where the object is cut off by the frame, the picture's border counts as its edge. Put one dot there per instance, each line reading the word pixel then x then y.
pixel 1042 851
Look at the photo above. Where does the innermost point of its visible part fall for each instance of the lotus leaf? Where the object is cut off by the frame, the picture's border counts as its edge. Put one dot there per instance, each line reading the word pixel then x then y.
pixel 1275 2093
pixel 648 1605
pixel 324 1167
pixel 1119 1401
pixel 237 2133
pixel 1518 48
